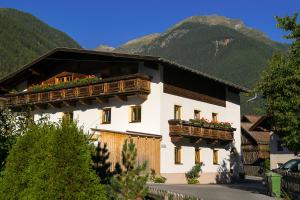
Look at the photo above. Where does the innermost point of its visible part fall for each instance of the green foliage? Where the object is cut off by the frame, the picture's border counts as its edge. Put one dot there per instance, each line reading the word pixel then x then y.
pixel 50 161
pixel 280 86
pixel 131 183
pixel 78 82
pixel 100 156
pixel 23 37
pixel 266 164
pixel 193 175
pixel 153 177
pixel 12 125
pixel 216 125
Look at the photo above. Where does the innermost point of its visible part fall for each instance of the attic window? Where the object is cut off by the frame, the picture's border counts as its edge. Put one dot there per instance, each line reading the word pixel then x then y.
pixel 64 79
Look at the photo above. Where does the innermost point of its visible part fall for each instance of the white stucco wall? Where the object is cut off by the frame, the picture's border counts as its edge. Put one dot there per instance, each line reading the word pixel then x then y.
pixel 188 152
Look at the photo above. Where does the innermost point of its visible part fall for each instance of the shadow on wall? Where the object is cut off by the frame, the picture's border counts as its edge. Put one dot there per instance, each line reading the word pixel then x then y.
pixel 235 173
pixel 223 175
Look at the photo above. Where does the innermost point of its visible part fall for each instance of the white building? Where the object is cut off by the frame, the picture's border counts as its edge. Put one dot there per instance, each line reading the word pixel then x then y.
pixel 120 96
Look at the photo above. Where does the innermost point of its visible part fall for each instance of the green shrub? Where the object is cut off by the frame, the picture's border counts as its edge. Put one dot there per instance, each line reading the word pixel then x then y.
pixel 50 161
pixel 156 178
pixel 193 175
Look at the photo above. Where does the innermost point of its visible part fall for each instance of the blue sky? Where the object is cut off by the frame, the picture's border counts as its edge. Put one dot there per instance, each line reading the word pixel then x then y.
pixel 113 22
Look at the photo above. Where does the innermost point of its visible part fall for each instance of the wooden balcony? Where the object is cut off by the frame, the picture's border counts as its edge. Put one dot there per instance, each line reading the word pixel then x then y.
pixel 179 129
pixel 122 87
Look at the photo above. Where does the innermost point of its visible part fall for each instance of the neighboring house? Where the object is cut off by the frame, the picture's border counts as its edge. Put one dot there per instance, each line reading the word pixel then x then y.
pixel 278 153
pixel 259 143
pixel 255 139
pixel 116 96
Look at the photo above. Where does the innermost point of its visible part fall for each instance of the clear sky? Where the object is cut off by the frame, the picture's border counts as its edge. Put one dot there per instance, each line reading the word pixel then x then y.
pixel 114 22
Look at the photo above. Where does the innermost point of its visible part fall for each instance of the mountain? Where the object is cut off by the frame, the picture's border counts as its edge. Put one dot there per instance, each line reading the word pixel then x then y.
pixel 216 45
pixel 23 37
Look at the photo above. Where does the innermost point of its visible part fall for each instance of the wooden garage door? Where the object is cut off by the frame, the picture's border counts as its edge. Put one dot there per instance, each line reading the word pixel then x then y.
pixel 148 148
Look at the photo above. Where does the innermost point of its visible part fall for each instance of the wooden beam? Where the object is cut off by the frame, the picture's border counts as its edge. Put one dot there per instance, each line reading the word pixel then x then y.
pixel 176 139
pixel 142 96
pixel 54 105
pixel 101 100
pixel 4 89
pixel 85 101
pixel 34 72
pixel 69 103
pixel 40 106
pixel 122 97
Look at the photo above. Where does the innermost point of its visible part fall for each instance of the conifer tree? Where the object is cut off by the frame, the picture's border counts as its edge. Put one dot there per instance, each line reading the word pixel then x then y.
pixel 131 183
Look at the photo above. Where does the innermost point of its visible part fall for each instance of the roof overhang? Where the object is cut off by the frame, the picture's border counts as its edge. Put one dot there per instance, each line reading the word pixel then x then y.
pixel 82 54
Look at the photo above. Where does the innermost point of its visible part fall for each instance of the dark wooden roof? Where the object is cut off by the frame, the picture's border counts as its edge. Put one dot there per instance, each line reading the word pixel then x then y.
pixel 63 54
pixel 249 126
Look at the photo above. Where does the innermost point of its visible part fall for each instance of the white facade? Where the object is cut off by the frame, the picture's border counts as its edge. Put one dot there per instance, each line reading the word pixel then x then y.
pixel 156 111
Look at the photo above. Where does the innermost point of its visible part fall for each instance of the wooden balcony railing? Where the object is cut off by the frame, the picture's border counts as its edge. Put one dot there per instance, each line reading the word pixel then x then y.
pixel 123 86
pixel 179 128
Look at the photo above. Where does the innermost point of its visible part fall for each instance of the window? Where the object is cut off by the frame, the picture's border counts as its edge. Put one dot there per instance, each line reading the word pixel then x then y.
pixel 177 155
pixel 197 114
pixel 177 112
pixel 68 115
pixel 279 145
pixel 197 155
pixel 64 79
pixel 215 157
pixel 214 117
pixel 136 113
pixel 106 116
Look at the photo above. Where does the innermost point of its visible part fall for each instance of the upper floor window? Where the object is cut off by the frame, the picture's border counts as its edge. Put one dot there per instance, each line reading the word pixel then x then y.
pixel 136 114
pixel 106 116
pixel 63 79
pixel 68 115
pixel 197 114
pixel 214 117
pixel 177 112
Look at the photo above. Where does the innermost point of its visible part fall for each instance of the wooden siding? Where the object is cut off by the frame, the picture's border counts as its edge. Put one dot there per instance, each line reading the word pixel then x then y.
pixel 186 84
pixel 148 148
pixel 171 89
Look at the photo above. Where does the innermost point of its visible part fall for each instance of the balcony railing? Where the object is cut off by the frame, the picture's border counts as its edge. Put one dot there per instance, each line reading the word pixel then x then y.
pixel 123 86
pixel 180 128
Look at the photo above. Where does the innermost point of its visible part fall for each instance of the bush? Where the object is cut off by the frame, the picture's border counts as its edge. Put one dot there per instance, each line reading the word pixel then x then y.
pixel 193 175
pixel 156 178
pixel 50 161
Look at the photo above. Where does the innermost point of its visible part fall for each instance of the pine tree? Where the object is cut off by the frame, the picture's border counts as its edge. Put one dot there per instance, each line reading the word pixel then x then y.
pixel 131 183
pixel 101 164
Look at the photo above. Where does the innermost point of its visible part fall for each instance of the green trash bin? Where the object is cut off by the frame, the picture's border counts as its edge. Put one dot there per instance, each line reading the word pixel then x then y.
pixel 274 184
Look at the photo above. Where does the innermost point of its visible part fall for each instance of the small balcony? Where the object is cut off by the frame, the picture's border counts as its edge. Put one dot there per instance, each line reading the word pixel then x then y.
pixel 122 87
pixel 179 129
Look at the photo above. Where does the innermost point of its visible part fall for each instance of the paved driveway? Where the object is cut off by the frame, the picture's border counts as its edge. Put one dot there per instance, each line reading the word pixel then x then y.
pixel 250 189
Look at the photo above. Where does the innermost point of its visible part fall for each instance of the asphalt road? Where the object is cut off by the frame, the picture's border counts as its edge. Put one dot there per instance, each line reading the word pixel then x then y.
pixel 250 189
